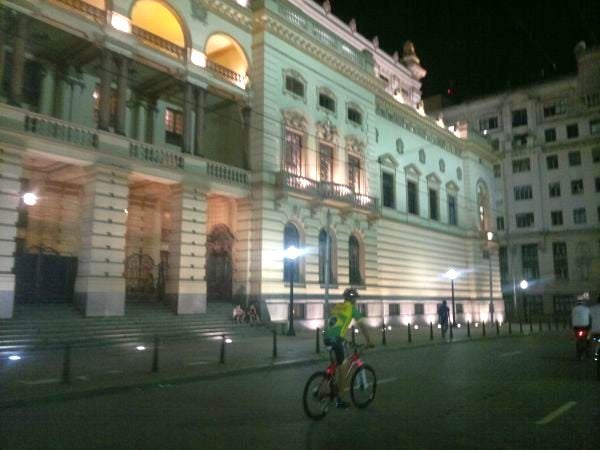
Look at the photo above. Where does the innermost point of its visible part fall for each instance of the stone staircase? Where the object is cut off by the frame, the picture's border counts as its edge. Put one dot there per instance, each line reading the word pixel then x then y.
pixel 52 326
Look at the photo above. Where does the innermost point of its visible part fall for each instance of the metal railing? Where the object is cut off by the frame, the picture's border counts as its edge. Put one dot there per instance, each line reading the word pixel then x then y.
pixel 61 131
pixel 96 14
pixel 157 42
pixel 225 72
pixel 227 173
pixel 149 153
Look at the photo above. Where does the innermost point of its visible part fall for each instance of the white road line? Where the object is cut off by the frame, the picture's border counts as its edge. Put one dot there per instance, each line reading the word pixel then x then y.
pixel 114 372
pixel 197 363
pixel 36 382
pixel 506 355
pixel 554 414
pixel 82 378
pixel 387 380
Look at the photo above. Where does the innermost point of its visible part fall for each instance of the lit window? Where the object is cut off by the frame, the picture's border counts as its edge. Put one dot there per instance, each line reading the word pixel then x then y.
pixel 173 127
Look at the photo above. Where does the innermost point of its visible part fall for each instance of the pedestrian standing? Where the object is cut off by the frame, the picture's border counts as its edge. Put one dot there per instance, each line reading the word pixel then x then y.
pixel 444 317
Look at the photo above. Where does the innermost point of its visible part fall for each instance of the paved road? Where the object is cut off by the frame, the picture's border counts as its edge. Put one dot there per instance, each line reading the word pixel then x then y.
pixel 509 393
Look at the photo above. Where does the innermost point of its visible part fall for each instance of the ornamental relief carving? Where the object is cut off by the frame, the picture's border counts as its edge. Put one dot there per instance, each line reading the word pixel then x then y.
pixel 199 10
pixel 355 145
pixel 295 119
pixel 327 131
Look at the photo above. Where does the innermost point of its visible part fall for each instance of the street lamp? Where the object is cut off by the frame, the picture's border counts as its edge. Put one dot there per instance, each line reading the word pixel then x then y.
pixel 490 238
pixel 452 275
pixel 291 254
pixel 523 285
pixel 30 199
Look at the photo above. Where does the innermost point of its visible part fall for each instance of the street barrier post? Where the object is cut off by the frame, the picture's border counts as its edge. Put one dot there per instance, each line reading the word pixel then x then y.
pixel 509 327
pixel 451 332
pixel 530 326
pixel 497 328
pixel 318 341
pixel 275 343
pixel 66 372
pixel 431 331
pixel 468 328
pixel 222 356
pixel 409 334
pixel 383 335
pixel 155 355
pixel 520 326
pixel 540 325
pixel 483 325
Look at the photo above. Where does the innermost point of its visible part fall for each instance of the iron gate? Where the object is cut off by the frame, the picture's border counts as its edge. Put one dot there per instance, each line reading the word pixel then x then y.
pixel 145 280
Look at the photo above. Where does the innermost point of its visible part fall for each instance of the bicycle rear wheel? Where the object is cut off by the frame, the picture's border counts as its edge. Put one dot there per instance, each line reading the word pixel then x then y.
pixel 363 387
pixel 318 395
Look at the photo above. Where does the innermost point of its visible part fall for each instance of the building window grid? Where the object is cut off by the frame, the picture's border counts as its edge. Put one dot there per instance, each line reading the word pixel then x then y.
pixel 554 189
pixel 488 123
pixel 529 261
pixel 327 102
pixel 173 126
pixel 575 158
pixel 388 188
pixel 561 263
pixel 394 309
pixel 354 115
pixel 594 127
pixel 500 223
pixel 293 152
pixel 572 131
pixel 519 117
pixel 576 187
pixel 434 208
pixel 452 211
pixel 294 86
pixel 419 309
pixel 557 218
pixel 497 171
pixel 523 192
pixel 554 109
pixel 550 135
pixel 325 163
pixel 525 220
pixel 412 193
pixel 354 173
pixel 579 216
pixel 521 165
pixel 552 162
pixel 596 155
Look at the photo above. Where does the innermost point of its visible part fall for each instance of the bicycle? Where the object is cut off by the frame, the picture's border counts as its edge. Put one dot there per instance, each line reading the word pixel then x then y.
pixel 321 388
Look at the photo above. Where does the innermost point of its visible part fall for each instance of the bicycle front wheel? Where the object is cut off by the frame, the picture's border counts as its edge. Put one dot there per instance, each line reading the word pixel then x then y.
pixel 318 395
pixel 363 387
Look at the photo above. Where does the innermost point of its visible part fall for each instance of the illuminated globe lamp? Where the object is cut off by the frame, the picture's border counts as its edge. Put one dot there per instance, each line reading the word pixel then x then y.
pixel 30 199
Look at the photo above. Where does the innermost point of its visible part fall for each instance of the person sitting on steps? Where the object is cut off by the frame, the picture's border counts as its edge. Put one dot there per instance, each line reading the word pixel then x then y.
pixel 238 314
pixel 253 315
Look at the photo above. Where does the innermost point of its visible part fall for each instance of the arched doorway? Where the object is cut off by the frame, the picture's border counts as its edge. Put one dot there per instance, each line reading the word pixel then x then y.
pixel 219 264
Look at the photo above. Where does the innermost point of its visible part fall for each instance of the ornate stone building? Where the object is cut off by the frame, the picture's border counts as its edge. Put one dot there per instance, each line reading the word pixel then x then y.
pixel 175 148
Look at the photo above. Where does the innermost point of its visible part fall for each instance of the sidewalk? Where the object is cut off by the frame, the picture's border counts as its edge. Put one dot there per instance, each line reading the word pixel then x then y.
pixel 52 374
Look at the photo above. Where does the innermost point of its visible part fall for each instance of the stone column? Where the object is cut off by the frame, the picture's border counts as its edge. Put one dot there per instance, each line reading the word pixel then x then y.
pixel 150 118
pixel 10 191
pixel 246 117
pixel 100 286
pixel 2 42
pixel 188 98
pixel 105 89
pixel 47 96
pixel 186 285
pixel 200 94
pixel 18 68
pixel 123 73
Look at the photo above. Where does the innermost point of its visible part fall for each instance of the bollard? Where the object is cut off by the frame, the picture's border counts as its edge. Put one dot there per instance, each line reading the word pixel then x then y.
pixel 483 327
pixel 452 331
pixel 383 335
pixel 155 355
pixel 222 357
pixel 468 329
pixel 66 373
pixel 520 326
pixel 283 329
pixel 409 334
pixel 431 331
pixel 275 343
pixel 540 328
pixel 530 326
pixel 549 325
pixel 318 342
pixel 497 328
pixel 353 335
pixel 564 321
pixel 556 323
pixel 509 327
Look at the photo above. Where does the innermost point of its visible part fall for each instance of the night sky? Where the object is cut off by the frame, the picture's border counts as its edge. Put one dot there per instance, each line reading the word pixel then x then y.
pixel 480 47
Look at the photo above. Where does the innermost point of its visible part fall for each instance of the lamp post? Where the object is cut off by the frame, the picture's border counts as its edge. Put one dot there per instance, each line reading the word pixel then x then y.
pixel 523 285
pixel 452 275
pixel 490 238
pixel 291 253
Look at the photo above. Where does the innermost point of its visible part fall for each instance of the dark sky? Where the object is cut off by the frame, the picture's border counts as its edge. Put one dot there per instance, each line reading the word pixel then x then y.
pixel 480 47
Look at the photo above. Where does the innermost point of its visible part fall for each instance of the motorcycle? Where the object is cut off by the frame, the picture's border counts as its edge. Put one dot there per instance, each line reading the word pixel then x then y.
pixel 581 342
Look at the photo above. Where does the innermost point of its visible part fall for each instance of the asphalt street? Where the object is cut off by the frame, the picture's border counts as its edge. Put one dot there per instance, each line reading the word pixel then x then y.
pixel 510 393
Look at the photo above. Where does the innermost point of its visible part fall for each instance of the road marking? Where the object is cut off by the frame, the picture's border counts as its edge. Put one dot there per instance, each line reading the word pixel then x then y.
pixel 82 378
pixel 44 381
pixel 197 363
pixel 387 380
pixel 114 372
pixel 553 415
pixel 506 355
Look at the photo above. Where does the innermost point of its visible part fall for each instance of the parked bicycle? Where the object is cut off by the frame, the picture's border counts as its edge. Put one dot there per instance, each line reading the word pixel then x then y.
pixel 321 388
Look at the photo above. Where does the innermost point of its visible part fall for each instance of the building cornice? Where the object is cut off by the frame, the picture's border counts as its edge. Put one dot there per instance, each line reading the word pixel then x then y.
pixel 230 11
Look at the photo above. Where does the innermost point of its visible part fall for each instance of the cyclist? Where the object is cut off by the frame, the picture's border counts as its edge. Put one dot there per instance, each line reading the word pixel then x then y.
pixel 337 324
pixel 581 321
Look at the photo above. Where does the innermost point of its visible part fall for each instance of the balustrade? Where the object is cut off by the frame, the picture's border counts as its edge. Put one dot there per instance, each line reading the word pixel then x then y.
pixel 227 173
pixel 149 153
pixel 96 14
pixel 224 72
pixel 158 42
pixel 60 131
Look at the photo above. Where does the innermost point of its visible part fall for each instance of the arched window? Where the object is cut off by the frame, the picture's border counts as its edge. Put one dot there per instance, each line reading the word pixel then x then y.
pixel 152 19
pixel 226 52
pixel 483 203
pixel 323 263
pixel 355 261
pixel 291 236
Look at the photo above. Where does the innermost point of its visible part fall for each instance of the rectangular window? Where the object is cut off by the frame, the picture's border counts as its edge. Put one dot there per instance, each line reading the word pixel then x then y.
pixel 497 171
pixel 388 190
pixel 326 102
pixel 552 162
pixel 525 220
pixel 579 216
pixel 557 218
pixel 452 213
pixel 563 304
pixel 459 308
pixel 419 309
pixel 299 311
pixel 554 189
pixel 519 117
pixel 413 199
pixel 575 158
pixel 325 163
pixel 561 264
pixel 500 223
pixel 363 309
pixel 394 309
pixel 550 135
pixel 173 127
pixel 523 192
pixel 294 86
pixel 293 153
pixel 519 141
pixel 596 155
pixel 521 165
pixel 576 187
pixel 572 131
pixel 554 109
pixel 354 173
pixel 529 260
pixel 489 123
pixel 503 261
pixel 354 115
pixel 597 180
pixel 595 127
pixel 434 210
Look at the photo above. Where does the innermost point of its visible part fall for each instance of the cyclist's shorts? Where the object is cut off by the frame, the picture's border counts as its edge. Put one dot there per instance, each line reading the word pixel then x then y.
pixel 337 345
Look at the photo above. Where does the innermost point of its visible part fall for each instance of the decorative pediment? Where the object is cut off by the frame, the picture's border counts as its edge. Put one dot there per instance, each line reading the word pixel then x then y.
pixel 451 186
pixel 295 119
pixel 412 170
pixel 388 160
pixel 434 179
pixel 355 145
pixel 327 131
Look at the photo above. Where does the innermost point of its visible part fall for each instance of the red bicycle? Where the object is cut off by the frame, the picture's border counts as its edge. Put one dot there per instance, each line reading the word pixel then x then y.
pixel 321 388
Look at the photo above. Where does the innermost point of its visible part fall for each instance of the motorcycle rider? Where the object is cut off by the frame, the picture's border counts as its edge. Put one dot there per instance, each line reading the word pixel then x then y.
pixel 580 320
pixel 595 327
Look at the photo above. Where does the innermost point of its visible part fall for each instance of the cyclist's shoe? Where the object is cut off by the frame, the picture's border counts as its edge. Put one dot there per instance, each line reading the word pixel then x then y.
pixel 341 404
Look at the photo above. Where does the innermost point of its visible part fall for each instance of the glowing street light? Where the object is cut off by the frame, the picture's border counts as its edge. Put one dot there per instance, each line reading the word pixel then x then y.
pixel 30 199
pixel 291 254
pixel 524 284
pixel 452 275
